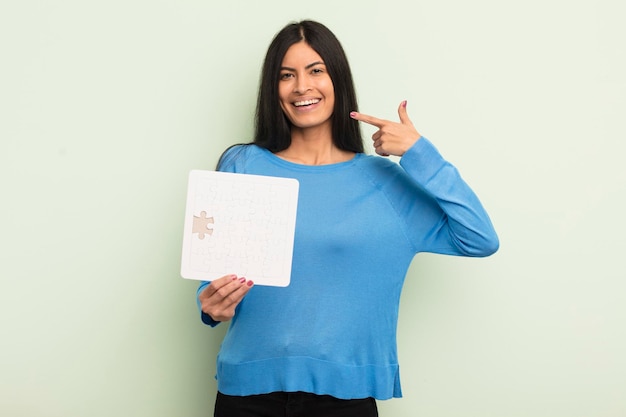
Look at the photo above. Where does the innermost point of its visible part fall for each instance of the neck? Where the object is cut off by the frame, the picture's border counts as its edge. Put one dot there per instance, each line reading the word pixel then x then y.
pixel 313 147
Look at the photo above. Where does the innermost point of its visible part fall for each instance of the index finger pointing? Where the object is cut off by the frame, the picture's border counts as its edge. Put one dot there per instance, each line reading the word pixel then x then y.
pixel 370 120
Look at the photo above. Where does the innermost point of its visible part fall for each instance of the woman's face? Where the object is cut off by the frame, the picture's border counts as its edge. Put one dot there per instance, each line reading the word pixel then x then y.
pixel 305 90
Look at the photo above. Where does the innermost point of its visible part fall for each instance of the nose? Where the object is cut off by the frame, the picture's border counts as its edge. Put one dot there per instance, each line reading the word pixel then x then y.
pixel 302 85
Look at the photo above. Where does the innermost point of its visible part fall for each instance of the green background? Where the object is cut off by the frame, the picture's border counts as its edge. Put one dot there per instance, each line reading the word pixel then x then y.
pixel 106 106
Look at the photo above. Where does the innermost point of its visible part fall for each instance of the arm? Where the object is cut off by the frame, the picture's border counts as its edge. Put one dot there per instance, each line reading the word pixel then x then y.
pixel 460 225
pixel 442 212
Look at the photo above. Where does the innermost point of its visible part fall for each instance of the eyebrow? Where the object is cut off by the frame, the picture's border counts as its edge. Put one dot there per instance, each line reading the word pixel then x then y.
pixel 311 65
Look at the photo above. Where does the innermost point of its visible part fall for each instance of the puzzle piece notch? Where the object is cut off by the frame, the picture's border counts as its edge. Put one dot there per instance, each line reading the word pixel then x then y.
pixel 201 225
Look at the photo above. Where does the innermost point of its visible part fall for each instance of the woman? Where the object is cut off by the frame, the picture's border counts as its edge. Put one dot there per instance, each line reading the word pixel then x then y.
pixel 326 344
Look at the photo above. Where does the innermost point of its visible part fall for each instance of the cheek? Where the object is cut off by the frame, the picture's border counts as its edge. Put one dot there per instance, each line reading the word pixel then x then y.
pixel 283 106
pixel 283 92
pixel 330 97
pixel 329 90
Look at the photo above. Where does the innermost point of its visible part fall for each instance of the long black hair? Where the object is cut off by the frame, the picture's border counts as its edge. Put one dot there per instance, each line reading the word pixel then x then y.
pixel 272 128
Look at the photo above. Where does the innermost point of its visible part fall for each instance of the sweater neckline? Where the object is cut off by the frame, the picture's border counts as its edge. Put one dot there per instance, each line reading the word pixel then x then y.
pixel 310 168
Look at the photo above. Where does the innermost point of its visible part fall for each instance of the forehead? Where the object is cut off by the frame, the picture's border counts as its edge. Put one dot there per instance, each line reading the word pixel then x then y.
pixel 300 54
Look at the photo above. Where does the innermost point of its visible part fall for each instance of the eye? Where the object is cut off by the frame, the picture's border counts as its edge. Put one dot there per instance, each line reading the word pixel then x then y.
pixel 286 75
pixel 317 71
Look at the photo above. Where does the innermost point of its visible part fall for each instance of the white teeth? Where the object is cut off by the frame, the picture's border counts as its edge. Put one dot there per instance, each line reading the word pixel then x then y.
pixel 306 102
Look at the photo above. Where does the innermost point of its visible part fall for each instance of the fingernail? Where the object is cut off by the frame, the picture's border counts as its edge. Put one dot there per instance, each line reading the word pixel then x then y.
pixel 250 283
pixel 353 114
pixel 404 103
pixel 234 277
pixel 242 280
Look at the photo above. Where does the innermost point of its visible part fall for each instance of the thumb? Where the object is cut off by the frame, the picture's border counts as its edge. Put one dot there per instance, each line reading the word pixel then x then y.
pixel 404 117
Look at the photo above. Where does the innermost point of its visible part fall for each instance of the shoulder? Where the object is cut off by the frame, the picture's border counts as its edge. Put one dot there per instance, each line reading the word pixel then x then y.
pixel 376 161
pixel 236 157
pixel 389 177
pixel 378 168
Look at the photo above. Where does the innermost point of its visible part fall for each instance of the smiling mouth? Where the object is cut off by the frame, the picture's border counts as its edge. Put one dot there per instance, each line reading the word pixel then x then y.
pixel 306 102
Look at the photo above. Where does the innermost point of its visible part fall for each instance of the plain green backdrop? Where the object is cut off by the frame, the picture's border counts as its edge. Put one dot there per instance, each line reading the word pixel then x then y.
pixel 106 106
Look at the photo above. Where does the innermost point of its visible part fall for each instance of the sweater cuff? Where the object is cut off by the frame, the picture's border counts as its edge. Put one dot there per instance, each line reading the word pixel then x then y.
pixel 208 320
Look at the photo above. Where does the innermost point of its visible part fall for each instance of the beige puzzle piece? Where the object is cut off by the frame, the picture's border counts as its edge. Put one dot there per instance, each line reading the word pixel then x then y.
pixel 201 225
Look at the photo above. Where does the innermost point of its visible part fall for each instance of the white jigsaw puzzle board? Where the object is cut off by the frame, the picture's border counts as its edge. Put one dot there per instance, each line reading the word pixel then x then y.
pixel 239 224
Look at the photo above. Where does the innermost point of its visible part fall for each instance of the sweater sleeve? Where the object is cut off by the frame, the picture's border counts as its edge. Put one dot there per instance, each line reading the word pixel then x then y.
pixel 206 319
pixel 454 222
pixel 230 161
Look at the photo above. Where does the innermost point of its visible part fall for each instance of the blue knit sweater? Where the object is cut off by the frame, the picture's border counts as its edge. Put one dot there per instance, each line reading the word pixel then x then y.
pixel 359 224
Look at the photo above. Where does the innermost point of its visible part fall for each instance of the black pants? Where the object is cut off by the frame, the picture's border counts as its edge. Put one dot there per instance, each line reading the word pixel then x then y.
pixel 292 404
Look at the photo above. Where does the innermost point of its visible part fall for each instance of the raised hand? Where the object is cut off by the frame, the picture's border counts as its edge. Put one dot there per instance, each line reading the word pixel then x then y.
pixel 391 138
pixel 223 295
